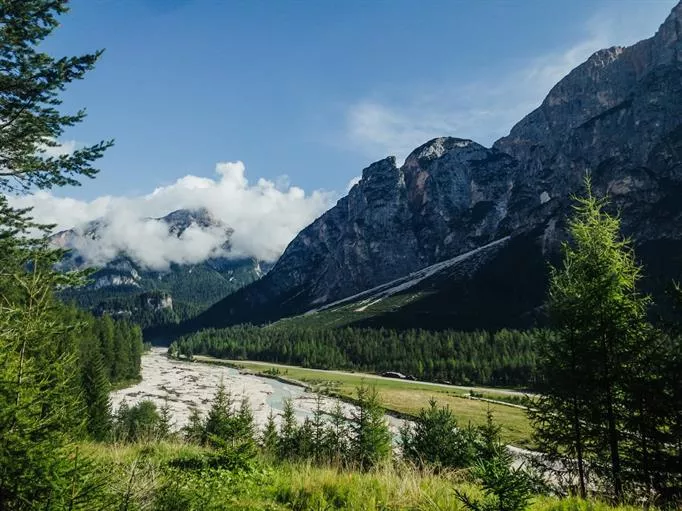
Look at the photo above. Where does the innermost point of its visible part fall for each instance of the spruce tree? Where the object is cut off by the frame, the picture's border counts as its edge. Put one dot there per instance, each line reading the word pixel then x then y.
pixel 95 387
pixel 105 328
pixel 165 421
pixel 40 405
pixel 220 421
pixel 136 349
pixel 193 431
pixel 337 434
pixel 269 436
pixel 318 437
pixel 435 438
pixel 370 439
pixel 287 448
pixel 122 356
pixel 245 428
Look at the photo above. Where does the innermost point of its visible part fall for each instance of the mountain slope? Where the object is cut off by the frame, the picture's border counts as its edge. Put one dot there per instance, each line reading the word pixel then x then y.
pixel 618 116
pixel 125 286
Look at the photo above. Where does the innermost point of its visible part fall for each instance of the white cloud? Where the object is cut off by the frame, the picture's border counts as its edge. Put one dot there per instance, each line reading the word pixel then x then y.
pixel 265 217
pixel 484 110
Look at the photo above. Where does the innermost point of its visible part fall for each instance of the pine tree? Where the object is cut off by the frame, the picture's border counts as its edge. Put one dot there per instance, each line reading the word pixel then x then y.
pixel 370 440
pixel 220 422
pixel 194 429
pixel 165 421
pixel 106 339
pixel 505 488
pixel 136 349
pixel 490 437
pixel 337 434
pixel 95 387
pixel 143 422
pixel 318 437
pixel 435 438
pixel 121 427
pixel 304 441
pixel 245 428
pixel 122 356
pixel 40 408
pixel 601 323
pixel 288 433
pixel 269 438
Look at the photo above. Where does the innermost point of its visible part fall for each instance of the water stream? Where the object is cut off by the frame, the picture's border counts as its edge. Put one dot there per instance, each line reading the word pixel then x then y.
pixel 183 385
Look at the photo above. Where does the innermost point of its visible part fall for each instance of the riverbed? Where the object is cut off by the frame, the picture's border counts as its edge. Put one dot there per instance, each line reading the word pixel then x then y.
pixel 184 385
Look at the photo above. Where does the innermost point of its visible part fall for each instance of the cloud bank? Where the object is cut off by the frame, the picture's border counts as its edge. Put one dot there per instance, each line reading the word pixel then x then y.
pixel 264 216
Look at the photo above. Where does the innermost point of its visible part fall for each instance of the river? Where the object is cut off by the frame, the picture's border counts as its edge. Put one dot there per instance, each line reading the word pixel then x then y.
pixel 184 385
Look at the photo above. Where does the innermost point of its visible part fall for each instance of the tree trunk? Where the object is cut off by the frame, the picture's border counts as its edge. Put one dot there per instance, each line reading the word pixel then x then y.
pixel 613 446
pixel 579 449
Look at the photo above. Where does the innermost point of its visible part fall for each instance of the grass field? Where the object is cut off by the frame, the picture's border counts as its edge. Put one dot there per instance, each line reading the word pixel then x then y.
pixel 139 476
pixel 405 397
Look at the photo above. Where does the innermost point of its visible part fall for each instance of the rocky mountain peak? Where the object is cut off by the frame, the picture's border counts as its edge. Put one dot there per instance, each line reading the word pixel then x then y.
pixel 180 220
pixel 434 149
pixel 382 170
pixel 618 116
pixel 668 35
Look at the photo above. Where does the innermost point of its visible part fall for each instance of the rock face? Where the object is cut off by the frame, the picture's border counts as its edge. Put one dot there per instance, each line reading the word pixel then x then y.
pixel 618 116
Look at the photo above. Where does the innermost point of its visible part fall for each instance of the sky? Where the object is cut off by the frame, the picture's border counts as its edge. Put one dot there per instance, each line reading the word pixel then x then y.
pixel 295 98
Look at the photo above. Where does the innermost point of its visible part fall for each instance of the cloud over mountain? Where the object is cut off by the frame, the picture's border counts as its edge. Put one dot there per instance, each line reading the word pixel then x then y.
pixel 264 217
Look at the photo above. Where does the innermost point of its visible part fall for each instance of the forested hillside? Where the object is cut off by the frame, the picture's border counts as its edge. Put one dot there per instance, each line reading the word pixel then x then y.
pixel 128 290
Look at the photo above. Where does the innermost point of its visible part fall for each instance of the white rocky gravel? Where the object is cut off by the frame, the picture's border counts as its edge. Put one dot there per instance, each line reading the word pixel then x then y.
pixel 184 385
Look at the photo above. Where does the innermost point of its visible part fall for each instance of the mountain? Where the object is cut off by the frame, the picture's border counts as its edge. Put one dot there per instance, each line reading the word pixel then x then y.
pixel 618 116
pixel 124 286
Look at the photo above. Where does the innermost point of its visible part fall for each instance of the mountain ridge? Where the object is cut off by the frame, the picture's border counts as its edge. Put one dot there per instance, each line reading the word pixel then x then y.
pixel 616 116
pixel 125 286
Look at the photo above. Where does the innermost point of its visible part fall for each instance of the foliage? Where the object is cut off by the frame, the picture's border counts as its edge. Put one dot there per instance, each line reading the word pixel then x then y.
pixel 607 405
pixel 501 358
pixel 504 488
pixel 42 365
pixel 288 441
pixel 370 440
pixel 435 439
pixel 173 476
pixel 269 436
pixel 30 83
pixel 141 422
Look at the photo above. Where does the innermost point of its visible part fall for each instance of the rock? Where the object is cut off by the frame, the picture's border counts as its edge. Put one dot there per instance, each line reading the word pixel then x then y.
pixel 617 116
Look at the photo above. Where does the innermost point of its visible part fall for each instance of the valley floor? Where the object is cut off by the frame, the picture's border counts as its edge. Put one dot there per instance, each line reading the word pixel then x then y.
pixel 183 385
pixel 406 397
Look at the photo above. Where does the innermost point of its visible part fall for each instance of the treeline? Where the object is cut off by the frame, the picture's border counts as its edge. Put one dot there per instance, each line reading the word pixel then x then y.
pixel 130 304
pixel 505 358
pixel 118 342
pixel 107 353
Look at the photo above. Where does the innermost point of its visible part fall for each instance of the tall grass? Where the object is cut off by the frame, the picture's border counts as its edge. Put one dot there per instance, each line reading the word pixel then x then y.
pixel 142 478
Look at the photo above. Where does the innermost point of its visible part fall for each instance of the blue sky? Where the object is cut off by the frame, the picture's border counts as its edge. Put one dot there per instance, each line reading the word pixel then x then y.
pixel 316 90
pixel 264 112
